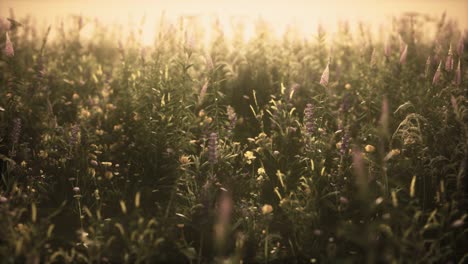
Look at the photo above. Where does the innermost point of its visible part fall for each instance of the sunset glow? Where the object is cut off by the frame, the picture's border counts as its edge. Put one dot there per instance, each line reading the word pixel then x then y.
pixel 304 15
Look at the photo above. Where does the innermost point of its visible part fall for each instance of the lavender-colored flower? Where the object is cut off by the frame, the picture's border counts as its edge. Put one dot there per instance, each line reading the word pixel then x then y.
pixel 232 117
pixel 344 143
pixel 325 76
pixel 309 119
pixel 436 78
pixel 16 131
pixel 449 60
pixel 74 134
pixel 461 45
pixel 403 55
pixel 9 51
pixel 428 66
pixel 345 104
pixel 212 151
pixel 458 73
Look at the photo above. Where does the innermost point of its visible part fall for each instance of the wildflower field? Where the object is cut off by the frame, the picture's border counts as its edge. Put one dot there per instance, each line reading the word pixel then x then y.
pixel 343 147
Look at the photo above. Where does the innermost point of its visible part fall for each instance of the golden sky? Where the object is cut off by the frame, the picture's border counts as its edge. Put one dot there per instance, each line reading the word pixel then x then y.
pixel 306 14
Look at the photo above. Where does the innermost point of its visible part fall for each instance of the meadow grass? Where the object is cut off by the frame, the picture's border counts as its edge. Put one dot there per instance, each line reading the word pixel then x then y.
pixel 343 148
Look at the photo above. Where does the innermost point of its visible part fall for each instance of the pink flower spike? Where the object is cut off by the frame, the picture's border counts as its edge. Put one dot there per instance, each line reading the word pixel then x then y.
pixel 404 54
pixel 449 60
pixel 387 50
pixel 202 94
pixel 436 78
pixel 325 76
pixel 458 74
pixel 461 45
pixel 402 44
pixel 9 51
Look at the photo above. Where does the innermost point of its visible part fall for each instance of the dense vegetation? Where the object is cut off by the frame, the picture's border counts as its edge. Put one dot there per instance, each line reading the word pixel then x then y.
pixel 343 147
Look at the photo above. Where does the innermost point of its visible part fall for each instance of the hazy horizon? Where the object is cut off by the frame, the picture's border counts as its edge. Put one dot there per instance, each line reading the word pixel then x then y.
pixel 306 15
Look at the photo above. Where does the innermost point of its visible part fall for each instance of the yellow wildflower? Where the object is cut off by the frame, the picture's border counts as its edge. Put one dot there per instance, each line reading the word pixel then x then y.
pixel 249 155
pixel 266 209
pixel 369 148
